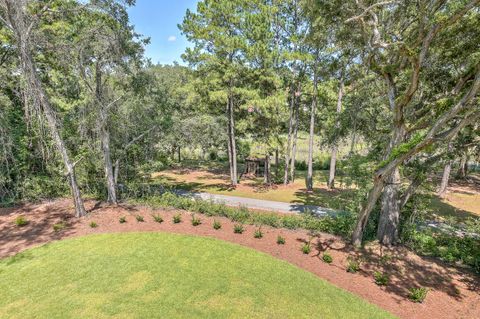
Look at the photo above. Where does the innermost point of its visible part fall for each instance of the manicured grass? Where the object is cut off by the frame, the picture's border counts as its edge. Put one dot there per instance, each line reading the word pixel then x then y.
pixel 152 275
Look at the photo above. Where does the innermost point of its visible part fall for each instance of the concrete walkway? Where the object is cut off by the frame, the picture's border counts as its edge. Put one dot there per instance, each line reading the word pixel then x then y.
pixel 280 207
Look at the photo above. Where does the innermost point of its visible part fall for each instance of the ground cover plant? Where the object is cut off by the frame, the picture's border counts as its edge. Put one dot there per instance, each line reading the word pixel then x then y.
pixel 245 275
pixel 21 221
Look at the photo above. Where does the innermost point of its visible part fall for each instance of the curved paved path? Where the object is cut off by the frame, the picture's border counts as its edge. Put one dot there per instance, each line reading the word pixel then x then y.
pixel 281 207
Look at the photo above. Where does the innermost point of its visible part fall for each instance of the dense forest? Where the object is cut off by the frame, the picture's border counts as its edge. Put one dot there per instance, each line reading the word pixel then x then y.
pixel 83 113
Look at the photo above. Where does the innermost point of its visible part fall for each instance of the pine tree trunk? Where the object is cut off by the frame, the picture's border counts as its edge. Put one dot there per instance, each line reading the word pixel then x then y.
pixel 105 138
pixel 266 175
pixel 445 177
pixel 231 142
pixel 294 143
pixel 33 88
pixel 179 153
pixel 289 140
pixel 309 179
pixel 109 174
pixel 333 156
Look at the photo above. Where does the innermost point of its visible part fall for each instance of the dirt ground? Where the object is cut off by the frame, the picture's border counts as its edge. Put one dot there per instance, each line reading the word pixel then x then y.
pixel 454 293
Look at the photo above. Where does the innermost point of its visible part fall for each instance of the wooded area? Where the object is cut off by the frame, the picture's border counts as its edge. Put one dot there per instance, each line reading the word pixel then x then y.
pixel 83 112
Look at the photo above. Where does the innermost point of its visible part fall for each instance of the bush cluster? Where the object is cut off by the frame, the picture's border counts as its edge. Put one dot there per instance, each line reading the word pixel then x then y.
pixel 339 225
pixel 449 247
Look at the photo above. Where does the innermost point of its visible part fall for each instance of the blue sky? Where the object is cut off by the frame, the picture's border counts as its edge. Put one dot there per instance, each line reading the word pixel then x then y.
pixel 158 20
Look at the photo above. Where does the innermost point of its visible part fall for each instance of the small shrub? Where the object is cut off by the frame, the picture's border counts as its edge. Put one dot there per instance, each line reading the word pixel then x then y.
pixel 238 229
pixel 195 220
pixel 353 265
pixel 216 225
pixel 258 233
pixel 327 258
pixel 122 220
pixel 418 294
pixel 59 226
pixel 177 219
pixel 139 218
pixel 280 240
pixel 21 221
pixel 306 248
pixel 93 225
pixel 385 259
pixel 381 279
pixel 157 218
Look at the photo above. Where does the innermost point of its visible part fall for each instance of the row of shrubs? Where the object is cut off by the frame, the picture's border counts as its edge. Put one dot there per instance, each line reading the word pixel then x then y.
pixel 340 224
pixel 353 264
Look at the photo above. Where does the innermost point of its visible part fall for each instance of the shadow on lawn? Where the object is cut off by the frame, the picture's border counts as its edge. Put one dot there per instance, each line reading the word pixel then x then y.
pixel 333 199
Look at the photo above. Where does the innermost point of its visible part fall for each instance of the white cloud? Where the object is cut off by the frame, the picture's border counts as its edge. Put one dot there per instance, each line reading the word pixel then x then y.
pixel 172 38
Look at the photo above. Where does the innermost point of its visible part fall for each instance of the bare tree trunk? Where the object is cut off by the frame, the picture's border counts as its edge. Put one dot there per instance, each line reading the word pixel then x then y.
pixel 116 171
pixel 354 137
pixel 266 175
pixel 309 179
pixel 289 140
pixel 34 90
pixel 231 142
pixel 105 138
pixel 387 232
pixel 462 171
pixel 179 153
pixel 445 177
pixel 333 157
pixel 373 196
pixel 294 143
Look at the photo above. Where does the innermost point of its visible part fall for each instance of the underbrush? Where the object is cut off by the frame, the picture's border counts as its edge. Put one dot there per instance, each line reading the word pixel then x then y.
pixel 451 248
pixel 340 224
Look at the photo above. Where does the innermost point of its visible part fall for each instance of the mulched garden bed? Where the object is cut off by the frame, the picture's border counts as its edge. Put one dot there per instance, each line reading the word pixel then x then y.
pixel 453 292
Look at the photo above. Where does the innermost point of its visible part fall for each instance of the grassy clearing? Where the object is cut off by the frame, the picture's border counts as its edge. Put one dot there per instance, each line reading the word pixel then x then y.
pixel 163 275
pixel 202 180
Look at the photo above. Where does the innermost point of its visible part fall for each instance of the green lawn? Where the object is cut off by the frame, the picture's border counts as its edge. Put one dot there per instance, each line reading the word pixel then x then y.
pixel 147 275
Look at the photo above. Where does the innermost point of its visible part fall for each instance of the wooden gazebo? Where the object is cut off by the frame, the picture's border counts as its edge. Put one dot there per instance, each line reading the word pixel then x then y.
pixel 255 166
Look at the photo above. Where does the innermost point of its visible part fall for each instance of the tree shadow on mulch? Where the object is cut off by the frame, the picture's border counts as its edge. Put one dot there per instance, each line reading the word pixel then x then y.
pixel 39 228
pixel 404 272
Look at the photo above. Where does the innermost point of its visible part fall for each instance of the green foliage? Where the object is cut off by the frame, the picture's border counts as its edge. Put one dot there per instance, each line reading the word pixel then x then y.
pixel 280 240
pixel 238 229
pixel 217 225
pixel 381 279
pixel 157 218
pixel 21 221
pixel 139 218
pixel 326 257
pixel 122 220
pixel 177 219
pixel 195 220
pixel 353 265
pixel 418 294
pixel 59 226
pixel 447 246
pixel 258 233
pixel 93 225
pixel 306 248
